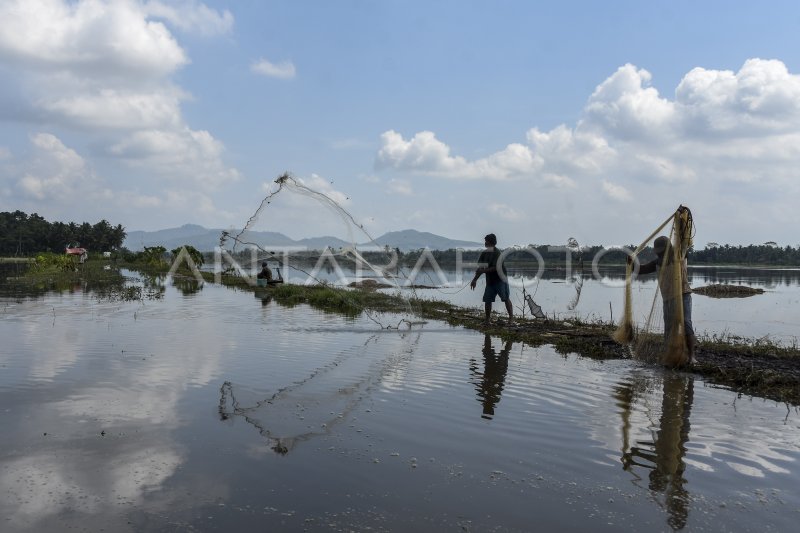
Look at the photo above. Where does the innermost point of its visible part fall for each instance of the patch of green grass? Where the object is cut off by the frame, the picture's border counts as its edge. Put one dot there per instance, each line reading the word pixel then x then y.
pixel 736 345
pixel 61 270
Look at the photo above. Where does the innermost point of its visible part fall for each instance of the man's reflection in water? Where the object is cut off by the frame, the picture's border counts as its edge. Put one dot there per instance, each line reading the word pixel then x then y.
pixel 265 298
pixel 489 383
pixel 664 455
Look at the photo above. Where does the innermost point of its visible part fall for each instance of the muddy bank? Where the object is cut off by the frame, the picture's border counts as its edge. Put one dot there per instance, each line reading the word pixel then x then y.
pixel 758 369
pixel 772 373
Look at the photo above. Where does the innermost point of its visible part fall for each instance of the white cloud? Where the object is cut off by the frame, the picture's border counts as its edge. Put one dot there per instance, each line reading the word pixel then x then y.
pixel 59 183
pixel 762 98
pixel 5 153
pixel 181 154
pixel 101 38
pixel 625 107
pixel 191 16
pixel 118 108
pixel 559 181
pixel 56 171
pixel 616 192
pixel 565 151
pixel 426 154
pixel 723 133
pixel 284 70
pixel 319 184
pixel 104 68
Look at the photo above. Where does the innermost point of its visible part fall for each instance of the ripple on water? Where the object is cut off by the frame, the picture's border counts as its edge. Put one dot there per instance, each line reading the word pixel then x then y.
pixel 483 420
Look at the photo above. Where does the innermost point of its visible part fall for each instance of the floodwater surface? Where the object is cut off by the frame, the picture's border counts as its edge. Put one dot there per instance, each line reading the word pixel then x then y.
pixel 772 316
pixel 212 409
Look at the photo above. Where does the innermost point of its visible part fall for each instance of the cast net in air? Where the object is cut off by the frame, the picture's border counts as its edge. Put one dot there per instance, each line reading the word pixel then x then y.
pixel 659 334
pixel 381 265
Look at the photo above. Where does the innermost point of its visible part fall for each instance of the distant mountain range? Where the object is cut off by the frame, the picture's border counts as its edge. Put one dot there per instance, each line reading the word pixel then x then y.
pixel 205 239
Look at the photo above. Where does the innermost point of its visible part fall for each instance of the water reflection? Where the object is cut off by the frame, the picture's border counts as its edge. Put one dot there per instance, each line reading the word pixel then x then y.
pixel 263 294
pixel 126 392
pixel 664 455
pixel 489 383
pixel 186 285
pixel 312 406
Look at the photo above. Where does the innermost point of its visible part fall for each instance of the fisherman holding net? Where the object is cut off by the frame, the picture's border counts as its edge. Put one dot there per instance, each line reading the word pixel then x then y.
pixel 676 295
pixel 664 259
pixel 496 285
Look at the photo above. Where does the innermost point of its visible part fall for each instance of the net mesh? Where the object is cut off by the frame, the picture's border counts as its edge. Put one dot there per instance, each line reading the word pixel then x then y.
pixel 387 270
pixel 661 336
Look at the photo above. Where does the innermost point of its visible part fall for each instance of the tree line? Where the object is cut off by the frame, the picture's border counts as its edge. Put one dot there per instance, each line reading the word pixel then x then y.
pixel 752 254
pixel 767 254
pixel 22 234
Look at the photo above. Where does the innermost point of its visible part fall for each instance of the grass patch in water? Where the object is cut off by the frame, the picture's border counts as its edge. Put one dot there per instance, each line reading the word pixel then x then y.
pixel 60 273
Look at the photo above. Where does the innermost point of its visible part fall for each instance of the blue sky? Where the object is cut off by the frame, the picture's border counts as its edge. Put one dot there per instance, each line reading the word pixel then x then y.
pixel 538 121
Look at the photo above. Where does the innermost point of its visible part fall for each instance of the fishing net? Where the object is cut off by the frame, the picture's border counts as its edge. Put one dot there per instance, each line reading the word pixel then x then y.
pixel 287 183
pixel 312 406
pixel 576 275
pixel 384 267
pixel 661 336
pixel 536 309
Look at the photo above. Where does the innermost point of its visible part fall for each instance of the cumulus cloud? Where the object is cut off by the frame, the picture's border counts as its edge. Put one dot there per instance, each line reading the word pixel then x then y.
pixel 721 128
pixel 283 71
pixel 104 68
pixel 424 153
pixel 118 108
pixel 57 181
pixel 616 192
pixel 763 98
pixel 624 106
pixel 55 172
pixel 92 37
pixel 319 184
pixel 178 154
pixel 191 16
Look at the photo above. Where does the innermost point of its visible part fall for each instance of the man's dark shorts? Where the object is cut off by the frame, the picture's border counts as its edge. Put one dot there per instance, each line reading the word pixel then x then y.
pixel 499 288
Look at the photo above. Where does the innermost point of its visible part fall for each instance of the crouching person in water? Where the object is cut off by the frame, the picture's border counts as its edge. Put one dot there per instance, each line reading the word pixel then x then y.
pixel 495 284
pixel 663 249
pixel 265 273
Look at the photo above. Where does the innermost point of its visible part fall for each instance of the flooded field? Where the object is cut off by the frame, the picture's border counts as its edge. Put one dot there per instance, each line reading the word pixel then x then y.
pixel 212 409
pixel 772 315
